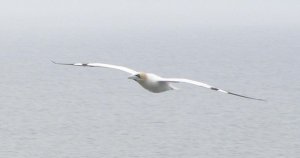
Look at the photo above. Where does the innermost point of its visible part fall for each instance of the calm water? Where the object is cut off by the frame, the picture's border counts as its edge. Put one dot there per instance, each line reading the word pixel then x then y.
pixel 55 111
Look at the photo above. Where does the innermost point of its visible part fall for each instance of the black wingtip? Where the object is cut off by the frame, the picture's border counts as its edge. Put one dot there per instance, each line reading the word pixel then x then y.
pixel 60 63
pixel 56 63
pixel 247 97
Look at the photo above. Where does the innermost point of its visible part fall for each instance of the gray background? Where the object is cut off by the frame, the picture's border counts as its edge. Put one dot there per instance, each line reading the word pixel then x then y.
pixel 247 47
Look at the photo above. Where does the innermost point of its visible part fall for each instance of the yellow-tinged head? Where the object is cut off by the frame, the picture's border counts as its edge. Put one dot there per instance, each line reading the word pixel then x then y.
pixel 139 77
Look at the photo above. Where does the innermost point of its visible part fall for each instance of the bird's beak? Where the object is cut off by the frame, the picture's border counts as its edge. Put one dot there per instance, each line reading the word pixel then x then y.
pixel 133 77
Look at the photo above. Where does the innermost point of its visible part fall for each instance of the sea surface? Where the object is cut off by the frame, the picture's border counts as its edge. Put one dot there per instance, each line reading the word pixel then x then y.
pixel 53 111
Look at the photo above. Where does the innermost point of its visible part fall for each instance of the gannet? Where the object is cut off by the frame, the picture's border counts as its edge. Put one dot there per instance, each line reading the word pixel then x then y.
pixel 153 82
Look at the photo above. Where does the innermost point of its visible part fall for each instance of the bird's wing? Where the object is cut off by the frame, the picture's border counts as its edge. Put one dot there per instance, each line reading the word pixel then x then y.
pixel 182 80
pixel 122 68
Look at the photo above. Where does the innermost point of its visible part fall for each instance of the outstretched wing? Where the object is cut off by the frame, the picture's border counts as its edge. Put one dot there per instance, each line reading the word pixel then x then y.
pixel 122 68
pixel 182 80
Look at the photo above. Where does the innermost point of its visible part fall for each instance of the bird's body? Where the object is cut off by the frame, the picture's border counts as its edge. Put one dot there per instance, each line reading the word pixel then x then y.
pixel 153 82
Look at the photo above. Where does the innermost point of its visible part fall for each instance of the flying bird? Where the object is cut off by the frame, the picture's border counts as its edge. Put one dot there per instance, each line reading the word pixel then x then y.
pixel 153 82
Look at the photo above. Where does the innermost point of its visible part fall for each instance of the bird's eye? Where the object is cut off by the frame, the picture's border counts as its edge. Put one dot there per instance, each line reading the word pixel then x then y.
pixel 138 75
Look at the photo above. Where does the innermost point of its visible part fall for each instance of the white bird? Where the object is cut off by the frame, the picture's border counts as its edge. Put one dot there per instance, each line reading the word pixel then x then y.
pixel 152 82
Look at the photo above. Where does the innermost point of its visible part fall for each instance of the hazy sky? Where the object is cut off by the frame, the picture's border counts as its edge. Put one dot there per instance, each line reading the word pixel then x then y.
pixel 149 13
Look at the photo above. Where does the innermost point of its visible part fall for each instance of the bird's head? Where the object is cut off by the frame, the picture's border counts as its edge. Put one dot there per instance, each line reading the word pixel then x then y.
pixel 138 77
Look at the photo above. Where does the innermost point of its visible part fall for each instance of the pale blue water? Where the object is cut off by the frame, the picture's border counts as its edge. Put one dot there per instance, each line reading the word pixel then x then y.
pixel 59 111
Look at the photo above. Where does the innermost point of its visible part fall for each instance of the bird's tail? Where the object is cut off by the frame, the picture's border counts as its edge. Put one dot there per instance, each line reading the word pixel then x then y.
pixel 173 87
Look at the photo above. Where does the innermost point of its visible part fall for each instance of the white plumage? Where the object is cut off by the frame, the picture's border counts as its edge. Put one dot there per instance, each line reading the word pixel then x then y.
pixel 153 82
